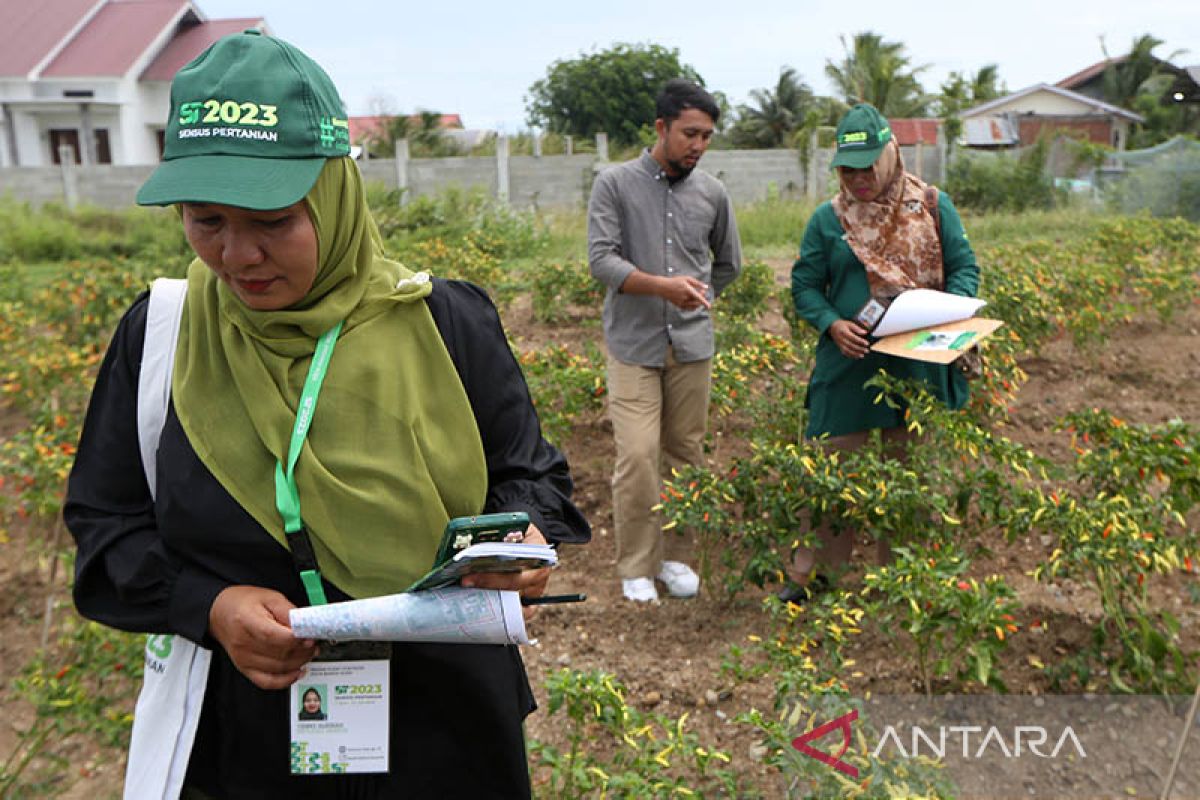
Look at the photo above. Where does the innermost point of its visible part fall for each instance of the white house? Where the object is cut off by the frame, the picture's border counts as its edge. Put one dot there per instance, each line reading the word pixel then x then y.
pixel 1019 118
pixel 95 75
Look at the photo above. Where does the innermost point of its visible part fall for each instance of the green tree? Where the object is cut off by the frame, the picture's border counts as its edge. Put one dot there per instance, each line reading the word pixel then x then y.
pixel 1144 83
pixel 773 116
pixel 880 73
pixel 964 90
pixel 423 131
pixel 610 91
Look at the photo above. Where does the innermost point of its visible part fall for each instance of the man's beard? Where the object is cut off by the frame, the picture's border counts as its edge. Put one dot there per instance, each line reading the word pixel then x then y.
pixel 681 169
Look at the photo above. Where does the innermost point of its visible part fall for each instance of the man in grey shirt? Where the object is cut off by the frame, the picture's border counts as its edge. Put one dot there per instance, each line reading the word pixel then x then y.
pixel 662 238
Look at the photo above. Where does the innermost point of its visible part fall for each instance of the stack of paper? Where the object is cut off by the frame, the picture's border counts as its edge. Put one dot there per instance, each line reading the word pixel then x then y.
pixel 928 325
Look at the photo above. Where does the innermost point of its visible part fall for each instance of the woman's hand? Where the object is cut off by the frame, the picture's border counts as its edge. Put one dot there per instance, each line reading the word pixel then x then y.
pixel 251 623
pixel 529 582
pixel 850 337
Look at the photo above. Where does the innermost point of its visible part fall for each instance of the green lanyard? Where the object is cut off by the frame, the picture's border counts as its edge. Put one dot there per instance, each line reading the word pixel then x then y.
pixel 287 496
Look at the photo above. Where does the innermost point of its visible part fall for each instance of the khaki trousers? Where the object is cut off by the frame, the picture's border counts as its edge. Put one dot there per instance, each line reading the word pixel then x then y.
pixel 834 550
pixel 659 416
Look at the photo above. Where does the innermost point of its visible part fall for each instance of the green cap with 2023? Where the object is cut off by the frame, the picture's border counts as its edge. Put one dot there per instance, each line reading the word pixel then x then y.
pixel 253 121
pixel 861 135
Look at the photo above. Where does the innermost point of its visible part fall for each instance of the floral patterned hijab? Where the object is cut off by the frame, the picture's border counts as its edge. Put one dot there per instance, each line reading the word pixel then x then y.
pixel 894 235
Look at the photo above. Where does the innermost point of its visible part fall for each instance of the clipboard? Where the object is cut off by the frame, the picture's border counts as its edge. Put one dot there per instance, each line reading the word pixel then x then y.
pixel 938 344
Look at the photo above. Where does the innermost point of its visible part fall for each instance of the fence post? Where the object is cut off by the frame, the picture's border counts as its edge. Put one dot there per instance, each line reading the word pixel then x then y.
pixel 502 168
pixel 537 145
pixel 810 177
pixel 943 150
pixel 602 146
pixel 402 170
pixel 569 141
pixel 70 175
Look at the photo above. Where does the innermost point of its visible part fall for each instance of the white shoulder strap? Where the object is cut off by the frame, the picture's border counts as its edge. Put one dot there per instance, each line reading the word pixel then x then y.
pixel 158 363
pixel 176 673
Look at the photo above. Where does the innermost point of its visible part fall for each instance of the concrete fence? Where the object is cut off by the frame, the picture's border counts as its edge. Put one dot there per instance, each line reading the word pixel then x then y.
pixel 537 181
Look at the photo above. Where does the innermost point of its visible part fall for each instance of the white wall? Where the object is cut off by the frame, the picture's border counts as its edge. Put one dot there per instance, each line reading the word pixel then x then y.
pixel 1043 103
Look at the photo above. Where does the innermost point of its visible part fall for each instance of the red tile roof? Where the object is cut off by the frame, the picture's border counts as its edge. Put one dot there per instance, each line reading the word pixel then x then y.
pixel 33 28
pixel 191 41
pixel 115 38
pixel 1087 73
pixel 910 131
pixel 366 127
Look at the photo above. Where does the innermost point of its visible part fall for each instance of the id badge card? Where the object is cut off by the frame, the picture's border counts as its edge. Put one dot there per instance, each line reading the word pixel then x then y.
pixel 339 711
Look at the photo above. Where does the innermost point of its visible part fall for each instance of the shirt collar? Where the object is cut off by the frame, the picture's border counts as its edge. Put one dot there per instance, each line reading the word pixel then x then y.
pixel 651 166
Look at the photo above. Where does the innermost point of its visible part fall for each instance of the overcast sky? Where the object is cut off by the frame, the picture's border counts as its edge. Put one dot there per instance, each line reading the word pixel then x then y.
pixel 478 59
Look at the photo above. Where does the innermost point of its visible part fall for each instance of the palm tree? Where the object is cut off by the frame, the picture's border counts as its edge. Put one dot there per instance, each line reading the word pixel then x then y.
pixel 964 90
pixel 1137 74
pixel 773 115
pixel 879 73
pixel 986 84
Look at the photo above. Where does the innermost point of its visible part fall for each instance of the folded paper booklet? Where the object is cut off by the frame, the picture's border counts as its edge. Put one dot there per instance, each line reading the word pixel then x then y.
pixel 933 326
pixel 488 557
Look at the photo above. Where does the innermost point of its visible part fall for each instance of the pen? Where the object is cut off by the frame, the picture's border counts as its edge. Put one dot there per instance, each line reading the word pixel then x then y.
pixel 550 599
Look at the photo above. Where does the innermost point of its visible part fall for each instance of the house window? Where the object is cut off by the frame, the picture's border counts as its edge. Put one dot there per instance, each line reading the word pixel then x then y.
pixel 61 136
pixel 70 137
pixel 103 151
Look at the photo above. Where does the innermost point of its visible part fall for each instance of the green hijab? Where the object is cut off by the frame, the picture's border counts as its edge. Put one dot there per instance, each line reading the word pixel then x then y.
pixel 393 452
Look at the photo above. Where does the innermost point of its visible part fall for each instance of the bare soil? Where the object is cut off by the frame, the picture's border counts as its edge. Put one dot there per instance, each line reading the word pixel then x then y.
pixel 669 653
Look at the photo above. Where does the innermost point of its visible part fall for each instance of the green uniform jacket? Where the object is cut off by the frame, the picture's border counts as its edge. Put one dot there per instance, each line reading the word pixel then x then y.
pixel 829 283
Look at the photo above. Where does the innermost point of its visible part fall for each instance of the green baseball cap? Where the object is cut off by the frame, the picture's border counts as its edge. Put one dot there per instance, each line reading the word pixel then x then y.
pixel 253 121
pixel 861 135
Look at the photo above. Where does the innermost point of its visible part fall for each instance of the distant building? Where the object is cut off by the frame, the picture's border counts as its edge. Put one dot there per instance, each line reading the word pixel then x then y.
pixel 915 130
pixel 95 75
pixel 1021 117
pixel 368 130
pixel 1090 81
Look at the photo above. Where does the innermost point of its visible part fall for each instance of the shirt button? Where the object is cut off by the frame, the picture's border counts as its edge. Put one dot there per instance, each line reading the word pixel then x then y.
pixel 670 269
pixel 669 214
pixel 668 241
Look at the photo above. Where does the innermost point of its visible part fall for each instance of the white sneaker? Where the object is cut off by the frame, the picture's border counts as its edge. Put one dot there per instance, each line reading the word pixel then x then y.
pixel 639 590
pixel 681 581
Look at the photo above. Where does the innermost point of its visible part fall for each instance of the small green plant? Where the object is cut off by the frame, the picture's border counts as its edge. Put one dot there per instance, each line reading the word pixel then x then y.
pixel 873 777
pixel 613 749
pixel 84 686
pixel 565 385
pixel 1117 518
pixel 957 625
pixel 561 288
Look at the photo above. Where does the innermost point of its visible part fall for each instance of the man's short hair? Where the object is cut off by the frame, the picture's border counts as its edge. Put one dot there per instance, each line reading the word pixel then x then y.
pixel 679 94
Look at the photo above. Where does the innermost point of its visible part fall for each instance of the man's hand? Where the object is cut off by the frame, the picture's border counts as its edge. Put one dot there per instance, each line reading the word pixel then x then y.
pixel 529 582
pixel 251 623
pixel 850 337
pixel 679 290
pixel 684 292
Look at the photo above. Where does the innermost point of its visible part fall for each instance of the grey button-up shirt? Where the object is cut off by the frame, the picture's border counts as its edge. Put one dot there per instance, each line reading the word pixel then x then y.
pixel 638 219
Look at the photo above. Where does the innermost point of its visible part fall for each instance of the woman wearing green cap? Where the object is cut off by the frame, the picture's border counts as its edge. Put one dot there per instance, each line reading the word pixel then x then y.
pixel 256 499
pixel 885 231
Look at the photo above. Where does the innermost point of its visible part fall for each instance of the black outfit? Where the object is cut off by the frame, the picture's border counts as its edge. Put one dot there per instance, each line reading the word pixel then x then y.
pixel 156 567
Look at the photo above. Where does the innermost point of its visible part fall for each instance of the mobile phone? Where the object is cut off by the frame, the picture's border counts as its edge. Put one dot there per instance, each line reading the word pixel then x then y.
pixel 462 532
pixel 869 315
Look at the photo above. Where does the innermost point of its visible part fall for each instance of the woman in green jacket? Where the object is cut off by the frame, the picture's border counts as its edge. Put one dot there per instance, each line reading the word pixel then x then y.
pixel 876 238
